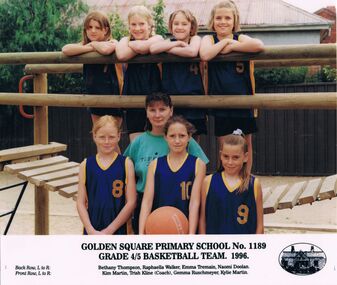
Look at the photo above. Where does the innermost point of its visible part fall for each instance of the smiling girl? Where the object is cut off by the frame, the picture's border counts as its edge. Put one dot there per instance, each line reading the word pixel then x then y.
pixel 231 199
pixel 183 78
pixel 230 77
pixel 140 78
pixel 106 190
pixel 174 179
pixel 103 79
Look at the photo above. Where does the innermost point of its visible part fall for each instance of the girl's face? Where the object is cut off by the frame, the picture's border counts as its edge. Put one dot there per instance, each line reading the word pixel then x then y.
pixel 232 158
pixel 158 114
pixel 95 32
pixel 177 137
pixel 223 22
pixel 106 138
pixel 181 27
pixel 139 28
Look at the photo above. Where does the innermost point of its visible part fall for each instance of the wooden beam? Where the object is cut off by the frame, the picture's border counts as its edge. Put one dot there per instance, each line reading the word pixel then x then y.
pixel 78 67
pixel 270 53
pixel 41 137
pixel 31 151
pixel 299 101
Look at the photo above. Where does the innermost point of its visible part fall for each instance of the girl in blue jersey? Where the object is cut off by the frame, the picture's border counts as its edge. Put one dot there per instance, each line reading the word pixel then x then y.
pixel 139 78
pixel 152 144
pixel 230 78
pixel 98 78
pixel 106 190
pixel 183 78
pixel 174 179
pixel 231 199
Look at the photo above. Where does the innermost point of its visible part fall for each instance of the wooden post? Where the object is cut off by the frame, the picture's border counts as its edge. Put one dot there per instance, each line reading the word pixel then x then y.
pixel 41 137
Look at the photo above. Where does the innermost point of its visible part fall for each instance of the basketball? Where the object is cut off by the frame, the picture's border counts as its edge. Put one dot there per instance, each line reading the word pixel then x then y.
pixel 166 220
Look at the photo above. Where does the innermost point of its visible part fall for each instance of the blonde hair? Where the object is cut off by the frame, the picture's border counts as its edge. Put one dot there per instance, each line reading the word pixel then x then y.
pixel 103 22
pixel 228 4
pixel 190 18
pixel 142 11
pixel 238 140
pixel 104 120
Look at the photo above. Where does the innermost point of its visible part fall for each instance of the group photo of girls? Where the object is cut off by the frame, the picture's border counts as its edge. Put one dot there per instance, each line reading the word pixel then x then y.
pixel 164 165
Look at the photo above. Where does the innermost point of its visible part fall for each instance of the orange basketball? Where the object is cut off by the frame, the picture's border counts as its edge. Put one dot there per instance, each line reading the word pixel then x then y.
pixel 166 220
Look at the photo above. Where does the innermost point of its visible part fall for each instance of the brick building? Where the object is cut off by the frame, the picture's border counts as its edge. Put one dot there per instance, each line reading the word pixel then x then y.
pixel 330 14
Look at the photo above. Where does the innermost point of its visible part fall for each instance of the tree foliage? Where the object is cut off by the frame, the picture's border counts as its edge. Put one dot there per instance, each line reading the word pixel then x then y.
pixel 39 25
pixel 159 20
pixel 118 28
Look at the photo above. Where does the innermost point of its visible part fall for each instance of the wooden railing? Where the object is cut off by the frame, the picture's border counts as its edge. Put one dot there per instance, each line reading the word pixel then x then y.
pixel 272 56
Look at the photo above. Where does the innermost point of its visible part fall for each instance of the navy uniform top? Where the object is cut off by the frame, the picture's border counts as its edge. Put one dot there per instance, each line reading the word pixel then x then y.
pixel 101 79
pixel 183 78
pixel 231 78
pixel 141 79
pixel 227 210
pixel 106 191
pixel 173 188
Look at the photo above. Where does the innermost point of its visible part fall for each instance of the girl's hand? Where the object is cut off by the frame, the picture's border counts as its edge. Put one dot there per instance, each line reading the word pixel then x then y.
pixel 104 48
pixel 137 47
pixel 229 46
pixel 181 44
pixel 93 232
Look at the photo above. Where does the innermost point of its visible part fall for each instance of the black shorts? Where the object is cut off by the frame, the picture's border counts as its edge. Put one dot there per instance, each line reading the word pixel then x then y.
pixel 225 126
pixel 106 111
pixel 135 120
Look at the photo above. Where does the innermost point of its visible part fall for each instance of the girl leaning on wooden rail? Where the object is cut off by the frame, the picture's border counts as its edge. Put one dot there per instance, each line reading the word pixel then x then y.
pixel 107 188
pixel 103 79
pixel 230 78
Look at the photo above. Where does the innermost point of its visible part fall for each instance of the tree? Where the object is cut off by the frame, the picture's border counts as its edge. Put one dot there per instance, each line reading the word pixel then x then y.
pixel 39 25
pixel 118 28
pixel 158 16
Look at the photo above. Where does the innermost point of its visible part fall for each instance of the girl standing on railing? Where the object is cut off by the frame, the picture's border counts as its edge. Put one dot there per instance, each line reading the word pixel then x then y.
pixel 230 78
pixel 174 179
pixel 183 78
pixel 139 78
pixel 231 199
pixel 102 79
pixel 106 190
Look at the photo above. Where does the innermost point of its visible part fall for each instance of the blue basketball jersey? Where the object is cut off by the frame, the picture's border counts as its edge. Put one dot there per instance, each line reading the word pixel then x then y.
pixel 173 188
pixel 227 210
pixel 183 78
pixel 141 78
pixel 106 191
pixel 231 78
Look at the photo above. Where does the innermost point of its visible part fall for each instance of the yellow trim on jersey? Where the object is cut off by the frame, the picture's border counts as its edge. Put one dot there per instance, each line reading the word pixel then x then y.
pixel 105 168
pixel 170 166
pixel 120 76
pixel 230 188
pixel 255 188
pixel 126 170
pixel 208 181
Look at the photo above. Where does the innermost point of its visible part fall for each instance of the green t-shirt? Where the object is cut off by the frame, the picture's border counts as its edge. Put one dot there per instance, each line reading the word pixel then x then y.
pixel 148 147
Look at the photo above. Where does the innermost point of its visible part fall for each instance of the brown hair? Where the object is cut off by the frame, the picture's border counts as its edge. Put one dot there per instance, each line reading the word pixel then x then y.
pixel 181 120
pixel 103 22
pixel 233 139
pixel 104 120
pixel 190 18
pixel 228 4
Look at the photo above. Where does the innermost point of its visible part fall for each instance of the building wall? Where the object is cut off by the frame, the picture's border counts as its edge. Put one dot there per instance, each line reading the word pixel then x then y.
pixel 287 38
pixel 330 14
